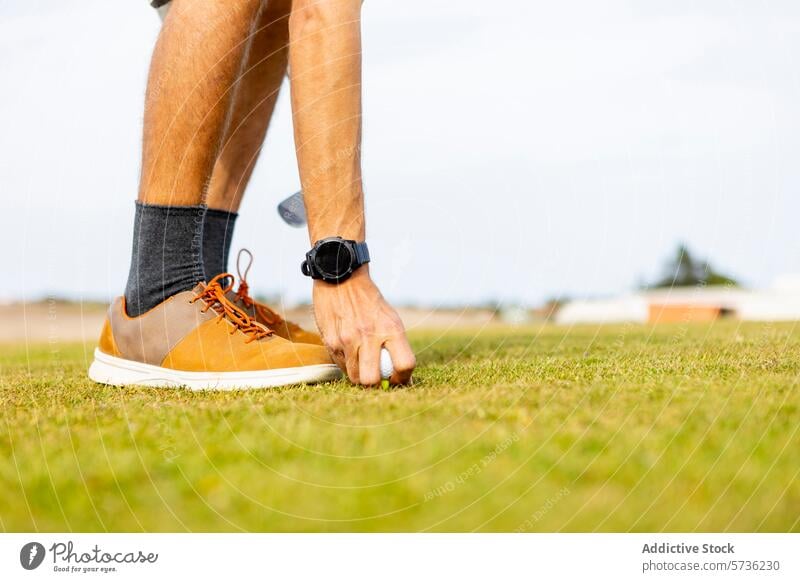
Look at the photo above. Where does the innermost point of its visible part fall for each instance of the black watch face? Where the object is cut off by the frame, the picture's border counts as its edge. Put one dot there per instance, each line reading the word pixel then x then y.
pixel 333 259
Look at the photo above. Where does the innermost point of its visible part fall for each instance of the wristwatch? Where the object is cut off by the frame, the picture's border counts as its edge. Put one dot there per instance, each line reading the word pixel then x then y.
pixel 334 259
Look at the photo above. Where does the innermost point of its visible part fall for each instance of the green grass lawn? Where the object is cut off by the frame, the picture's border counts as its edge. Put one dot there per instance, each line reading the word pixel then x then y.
pixel 625 428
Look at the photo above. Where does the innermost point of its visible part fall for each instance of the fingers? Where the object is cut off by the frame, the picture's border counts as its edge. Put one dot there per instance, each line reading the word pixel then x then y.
pixel 403 359
pixel 344 354
pixel 344 349
pixel 338 357
pixel 363 361
pixel 369 362
pixel 360 358
pixel 351 364
pixel 336 350
pixel 354 335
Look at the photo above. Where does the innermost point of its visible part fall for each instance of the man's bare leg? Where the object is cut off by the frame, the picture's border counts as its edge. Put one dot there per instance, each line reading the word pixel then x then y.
pixel 254 102
pixel 196 61
pixel 162 333
pixel 256 93
pixel 254 96
pixel 194 67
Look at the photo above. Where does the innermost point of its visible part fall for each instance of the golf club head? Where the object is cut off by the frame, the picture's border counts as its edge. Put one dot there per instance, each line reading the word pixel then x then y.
pixel 293 210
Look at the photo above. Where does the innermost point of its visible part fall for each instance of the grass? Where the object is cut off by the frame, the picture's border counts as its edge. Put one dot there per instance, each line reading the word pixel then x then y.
pixel 627 428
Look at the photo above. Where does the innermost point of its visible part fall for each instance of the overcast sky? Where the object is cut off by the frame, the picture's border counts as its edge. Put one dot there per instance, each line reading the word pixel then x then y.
pixel 513 151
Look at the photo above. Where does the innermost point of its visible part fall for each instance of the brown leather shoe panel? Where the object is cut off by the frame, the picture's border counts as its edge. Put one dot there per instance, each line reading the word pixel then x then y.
pixel 107 344
pixel 300 335
pixel 149 337
pixel 211 347
pixel 301 354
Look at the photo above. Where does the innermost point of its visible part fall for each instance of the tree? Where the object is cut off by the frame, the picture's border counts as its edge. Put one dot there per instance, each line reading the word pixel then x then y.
pixel 683 270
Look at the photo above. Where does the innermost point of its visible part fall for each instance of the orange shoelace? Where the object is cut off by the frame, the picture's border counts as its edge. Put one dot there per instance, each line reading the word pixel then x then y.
pixel 213 295
pixel 242 294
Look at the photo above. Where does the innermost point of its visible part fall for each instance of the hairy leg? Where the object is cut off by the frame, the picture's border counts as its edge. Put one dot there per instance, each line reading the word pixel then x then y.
pixel 256 93
pixel 197 59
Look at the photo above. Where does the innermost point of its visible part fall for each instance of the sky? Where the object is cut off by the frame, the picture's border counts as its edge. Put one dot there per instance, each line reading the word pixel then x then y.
pixel 513 152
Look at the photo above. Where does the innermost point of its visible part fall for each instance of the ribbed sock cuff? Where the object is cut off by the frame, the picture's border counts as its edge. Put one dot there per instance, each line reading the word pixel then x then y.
pixel 167 255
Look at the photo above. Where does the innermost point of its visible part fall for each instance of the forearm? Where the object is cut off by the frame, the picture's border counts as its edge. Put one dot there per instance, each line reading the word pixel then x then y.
pixel 325 73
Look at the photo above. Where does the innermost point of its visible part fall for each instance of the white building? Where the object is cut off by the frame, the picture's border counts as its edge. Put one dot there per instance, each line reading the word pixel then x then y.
pixel 781 302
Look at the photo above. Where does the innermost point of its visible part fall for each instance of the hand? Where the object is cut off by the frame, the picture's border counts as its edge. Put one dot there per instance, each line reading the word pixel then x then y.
pixel 356 321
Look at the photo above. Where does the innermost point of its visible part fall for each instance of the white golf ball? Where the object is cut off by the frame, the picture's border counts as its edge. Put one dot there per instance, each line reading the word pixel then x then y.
pixel 387 369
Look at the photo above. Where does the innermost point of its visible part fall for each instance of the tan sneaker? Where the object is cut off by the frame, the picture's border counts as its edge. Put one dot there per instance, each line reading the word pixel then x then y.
pixel 263 313
pixel 200 340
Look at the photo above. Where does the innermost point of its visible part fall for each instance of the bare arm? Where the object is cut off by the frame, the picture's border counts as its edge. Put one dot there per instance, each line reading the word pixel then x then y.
pixel 325 72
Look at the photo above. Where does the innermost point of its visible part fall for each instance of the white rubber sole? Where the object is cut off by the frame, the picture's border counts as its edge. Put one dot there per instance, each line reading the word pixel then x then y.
pixel 115 371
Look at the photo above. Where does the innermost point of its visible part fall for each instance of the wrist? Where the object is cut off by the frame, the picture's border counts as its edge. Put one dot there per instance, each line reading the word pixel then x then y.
pixel 342 215
pixel 353 230
pixel 359 278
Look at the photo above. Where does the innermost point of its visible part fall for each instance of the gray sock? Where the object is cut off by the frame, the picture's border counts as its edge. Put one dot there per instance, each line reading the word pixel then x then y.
pixel 167 254
pixel 217 235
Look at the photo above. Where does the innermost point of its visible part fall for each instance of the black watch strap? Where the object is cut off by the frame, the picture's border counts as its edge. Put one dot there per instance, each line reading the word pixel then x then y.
pixel 362 253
